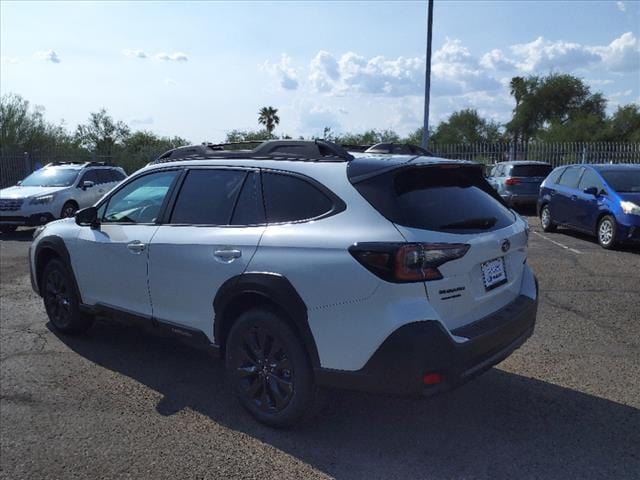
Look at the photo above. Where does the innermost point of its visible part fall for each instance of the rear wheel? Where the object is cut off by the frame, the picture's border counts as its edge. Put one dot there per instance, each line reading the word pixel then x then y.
pixel 61 300
pixel 269 369
pixel 6 229
pixel 545 219
pixel 69 209
pixel 607 229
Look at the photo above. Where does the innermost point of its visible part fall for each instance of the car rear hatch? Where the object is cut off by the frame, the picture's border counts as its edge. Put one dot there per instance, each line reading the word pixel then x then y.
pixel 451 211
pixel 526 179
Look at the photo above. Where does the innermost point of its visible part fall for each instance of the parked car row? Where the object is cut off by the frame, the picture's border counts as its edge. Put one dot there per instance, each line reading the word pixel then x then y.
pixel 601 200
pixel 55 191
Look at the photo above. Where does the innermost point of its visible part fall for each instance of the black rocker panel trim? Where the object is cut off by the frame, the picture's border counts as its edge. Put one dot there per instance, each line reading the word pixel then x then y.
pixel 271 286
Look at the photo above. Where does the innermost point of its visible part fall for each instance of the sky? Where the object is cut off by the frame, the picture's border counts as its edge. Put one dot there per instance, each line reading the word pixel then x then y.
pixel 201 69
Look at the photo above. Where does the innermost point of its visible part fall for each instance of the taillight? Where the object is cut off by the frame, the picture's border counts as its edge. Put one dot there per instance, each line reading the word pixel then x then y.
pixel 407 262
pixel 511 181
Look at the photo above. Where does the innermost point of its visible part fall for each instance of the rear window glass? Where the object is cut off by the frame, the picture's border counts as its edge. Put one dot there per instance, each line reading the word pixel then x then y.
pixel 207 197
pixel 530 170
pixel 289 199
pixel 456 200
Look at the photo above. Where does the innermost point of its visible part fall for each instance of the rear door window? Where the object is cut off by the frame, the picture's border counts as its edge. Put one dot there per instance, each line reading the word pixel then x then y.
pixel 570 177
pixel 530 170
pixel 289 199
pixel 207 197
pixel 249 208
pixel 441 198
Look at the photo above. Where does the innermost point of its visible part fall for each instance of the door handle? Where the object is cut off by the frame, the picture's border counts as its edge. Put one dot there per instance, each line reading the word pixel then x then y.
pixel 227 255
pixel 136 247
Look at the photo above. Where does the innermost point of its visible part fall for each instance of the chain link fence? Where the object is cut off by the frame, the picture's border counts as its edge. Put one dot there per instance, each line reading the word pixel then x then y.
pixel 16 166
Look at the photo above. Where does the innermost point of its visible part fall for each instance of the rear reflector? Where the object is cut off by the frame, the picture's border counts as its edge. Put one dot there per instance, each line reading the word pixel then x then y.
pixel 511 181
pixel 431 378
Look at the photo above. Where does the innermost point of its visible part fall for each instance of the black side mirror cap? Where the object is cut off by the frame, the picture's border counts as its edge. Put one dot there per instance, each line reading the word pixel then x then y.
pixel 88 217
pixel 591 191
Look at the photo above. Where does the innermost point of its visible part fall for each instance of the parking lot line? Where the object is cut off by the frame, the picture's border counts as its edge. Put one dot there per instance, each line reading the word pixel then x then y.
pixel 558 243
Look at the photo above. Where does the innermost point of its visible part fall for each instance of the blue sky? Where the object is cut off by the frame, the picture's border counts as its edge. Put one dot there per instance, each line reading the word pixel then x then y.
pixel 200 69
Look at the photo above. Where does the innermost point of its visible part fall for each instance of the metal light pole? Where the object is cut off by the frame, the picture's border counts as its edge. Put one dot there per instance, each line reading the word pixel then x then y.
pixel 427 79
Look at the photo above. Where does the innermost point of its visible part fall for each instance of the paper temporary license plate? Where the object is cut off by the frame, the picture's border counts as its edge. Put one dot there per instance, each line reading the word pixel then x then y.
pixel 493 273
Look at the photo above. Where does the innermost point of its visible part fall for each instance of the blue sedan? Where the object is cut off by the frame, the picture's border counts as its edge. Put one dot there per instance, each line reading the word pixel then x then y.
pixel 601 200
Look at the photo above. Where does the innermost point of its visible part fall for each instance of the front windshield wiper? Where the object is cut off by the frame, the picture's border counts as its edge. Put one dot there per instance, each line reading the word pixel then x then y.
pixel 477 223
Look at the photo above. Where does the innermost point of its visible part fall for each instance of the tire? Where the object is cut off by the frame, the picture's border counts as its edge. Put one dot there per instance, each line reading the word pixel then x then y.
pixel 69 209
pixel 269 370
pixel 7 229
pixel 607 232
pixel 546 222
pixel 61 300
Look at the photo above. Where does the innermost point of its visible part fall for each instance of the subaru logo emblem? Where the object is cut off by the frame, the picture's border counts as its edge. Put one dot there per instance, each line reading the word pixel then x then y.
pixel 506 244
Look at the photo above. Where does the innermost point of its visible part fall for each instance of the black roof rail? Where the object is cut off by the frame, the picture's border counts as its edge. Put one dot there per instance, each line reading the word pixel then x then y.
pixel 301 150
pixel 398 149
pixel 354 147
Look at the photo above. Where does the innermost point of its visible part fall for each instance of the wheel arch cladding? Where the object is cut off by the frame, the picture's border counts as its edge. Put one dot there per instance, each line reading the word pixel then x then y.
pixel 249 290
pixel 49 248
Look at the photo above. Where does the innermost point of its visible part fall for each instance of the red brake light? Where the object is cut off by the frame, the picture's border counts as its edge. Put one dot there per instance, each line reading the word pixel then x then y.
pixel 511 181
pixel 431 378
pixel 407 262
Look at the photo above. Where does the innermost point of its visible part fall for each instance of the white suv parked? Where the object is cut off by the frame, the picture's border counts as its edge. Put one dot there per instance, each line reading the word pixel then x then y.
pixel 304 267
pixel 57 190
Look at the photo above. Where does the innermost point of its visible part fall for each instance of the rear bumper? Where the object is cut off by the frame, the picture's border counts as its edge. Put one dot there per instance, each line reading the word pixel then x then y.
pixel 411 351
pixel 518 199
pixel 33 220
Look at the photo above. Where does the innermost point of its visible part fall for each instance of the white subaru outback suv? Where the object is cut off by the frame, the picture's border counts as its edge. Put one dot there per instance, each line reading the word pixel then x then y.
pixel 57 190
pixel 303 267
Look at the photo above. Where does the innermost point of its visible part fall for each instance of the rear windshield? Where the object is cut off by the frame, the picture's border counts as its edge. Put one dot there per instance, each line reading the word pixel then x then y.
pixel 530 170
pixel 623 180
pixel 443 198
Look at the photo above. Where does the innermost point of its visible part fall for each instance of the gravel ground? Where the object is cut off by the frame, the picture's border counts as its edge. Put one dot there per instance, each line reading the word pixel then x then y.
pixel 120 404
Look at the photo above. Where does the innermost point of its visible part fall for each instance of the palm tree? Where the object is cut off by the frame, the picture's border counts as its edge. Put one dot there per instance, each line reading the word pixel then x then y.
pixel 268 116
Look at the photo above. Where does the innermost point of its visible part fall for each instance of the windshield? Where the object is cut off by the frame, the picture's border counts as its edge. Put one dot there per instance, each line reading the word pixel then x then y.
pixel 50 177
pixel 623 180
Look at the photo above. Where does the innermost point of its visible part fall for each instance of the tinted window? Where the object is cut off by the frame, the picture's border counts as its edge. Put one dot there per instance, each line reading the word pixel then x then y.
pixel 590 179
pixel 530 170
pixel 289 198
pixel 90 176
pixel 623 180
pixel 455 199
pixel 104 176
pixel 207 197
pixel 51 177
pixel 249 207
pixel 117 175
pixel 570 177
pixel 139 201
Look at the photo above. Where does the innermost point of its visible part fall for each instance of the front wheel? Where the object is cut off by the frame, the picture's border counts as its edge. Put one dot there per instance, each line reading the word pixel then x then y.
pixel 269 369
pixel 69 209
pixel 61 300
pixel 545 219
pixel 607 229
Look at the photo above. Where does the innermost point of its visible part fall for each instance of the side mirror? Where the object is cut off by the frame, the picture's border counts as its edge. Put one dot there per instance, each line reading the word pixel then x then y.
pixel 87 184
pixel 88 217
pixel 591 191
pixel 19 182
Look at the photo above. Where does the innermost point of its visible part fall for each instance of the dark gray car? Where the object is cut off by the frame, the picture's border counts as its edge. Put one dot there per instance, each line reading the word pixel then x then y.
pixel 518 182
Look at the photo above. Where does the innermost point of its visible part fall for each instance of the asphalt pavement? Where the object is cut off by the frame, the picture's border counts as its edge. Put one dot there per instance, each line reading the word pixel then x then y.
pixel 117 403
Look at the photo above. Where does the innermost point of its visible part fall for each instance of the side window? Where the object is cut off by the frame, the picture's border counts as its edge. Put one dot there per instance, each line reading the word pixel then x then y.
pixel 570 177
pixel 89 176
pixel 140 201
pixel 104 176
pixel 590 179
pixel 207 197
pixel 117 175
pixel 249 207
pixel 554 175
pixel 288 198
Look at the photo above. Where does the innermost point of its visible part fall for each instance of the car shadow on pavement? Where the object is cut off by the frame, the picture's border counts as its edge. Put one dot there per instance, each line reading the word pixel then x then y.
pixel 626 247
pixel 22 235
pixel 500 425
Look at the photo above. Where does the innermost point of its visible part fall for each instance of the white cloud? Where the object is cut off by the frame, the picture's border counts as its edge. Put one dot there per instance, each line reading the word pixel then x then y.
pixel 323 72
pixel 497 60
pixel 135 53
pixel 621 6
pixel 622 54
pixel 171 57
pixel 48 56
pixel 170 82
pixel 11 60
pixel 314 118
pixel 543 55
pixel 624 93
pixel 283 71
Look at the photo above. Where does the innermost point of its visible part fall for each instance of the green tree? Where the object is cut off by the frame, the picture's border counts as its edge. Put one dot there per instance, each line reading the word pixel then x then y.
pixel 466 126
pixel 268 116
pixel 101 134
pixel 141 147
pixel 624 124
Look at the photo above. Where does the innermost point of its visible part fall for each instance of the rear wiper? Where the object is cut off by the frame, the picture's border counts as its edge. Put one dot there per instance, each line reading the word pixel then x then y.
pixel 479 223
